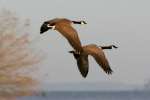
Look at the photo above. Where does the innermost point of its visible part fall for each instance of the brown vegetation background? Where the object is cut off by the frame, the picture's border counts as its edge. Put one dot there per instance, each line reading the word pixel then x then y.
pixel 17 59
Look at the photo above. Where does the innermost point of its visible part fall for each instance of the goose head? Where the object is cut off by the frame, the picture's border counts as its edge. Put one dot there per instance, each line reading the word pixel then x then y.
pixel 83 22
pixel 114 46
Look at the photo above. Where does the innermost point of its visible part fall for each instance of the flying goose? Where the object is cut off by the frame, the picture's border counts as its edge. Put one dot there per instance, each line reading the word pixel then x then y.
pixel 97 53
pixel 63 26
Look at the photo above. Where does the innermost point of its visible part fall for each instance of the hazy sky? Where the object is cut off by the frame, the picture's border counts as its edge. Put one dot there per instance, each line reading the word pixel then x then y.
pixel 125 23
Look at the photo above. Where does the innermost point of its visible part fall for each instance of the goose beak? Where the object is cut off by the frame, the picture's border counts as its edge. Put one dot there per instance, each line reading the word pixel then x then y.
pixel 115 46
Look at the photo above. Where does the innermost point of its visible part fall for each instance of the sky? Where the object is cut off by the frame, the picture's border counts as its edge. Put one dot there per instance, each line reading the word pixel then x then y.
pixel 124 23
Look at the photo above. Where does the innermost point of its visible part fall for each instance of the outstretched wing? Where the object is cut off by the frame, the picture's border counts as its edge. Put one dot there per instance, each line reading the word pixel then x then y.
pixel 71 35
pixel 83 65
pixel 99 56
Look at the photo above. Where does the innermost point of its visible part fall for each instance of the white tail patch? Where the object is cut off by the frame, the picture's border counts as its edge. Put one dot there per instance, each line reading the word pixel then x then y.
pixel 52 27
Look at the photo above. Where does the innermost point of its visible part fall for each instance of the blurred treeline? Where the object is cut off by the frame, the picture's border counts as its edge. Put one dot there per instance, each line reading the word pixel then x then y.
pixel 17 59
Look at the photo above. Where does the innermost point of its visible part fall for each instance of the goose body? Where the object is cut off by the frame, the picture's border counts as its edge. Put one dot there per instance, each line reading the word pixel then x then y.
pixel 64 27
pixel 97 53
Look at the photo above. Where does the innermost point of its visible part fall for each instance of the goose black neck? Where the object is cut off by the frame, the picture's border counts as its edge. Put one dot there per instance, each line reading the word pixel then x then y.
pixel 106 47
pixel 76 22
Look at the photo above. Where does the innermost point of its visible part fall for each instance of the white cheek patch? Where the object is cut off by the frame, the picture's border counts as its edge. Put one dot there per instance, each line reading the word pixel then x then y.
pixel 82 23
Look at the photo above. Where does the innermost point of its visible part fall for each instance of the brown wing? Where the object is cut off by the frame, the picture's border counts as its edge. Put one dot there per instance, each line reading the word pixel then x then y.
pixel 71 35
pixel 99 56
pixel 83 65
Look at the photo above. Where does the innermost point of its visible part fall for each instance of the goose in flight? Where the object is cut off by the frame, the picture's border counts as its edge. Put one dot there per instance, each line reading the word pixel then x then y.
pixel 63 26
pixel 97 53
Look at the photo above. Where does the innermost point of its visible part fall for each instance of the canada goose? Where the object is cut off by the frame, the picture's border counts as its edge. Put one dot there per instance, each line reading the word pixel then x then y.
pixel 63 26
pixel 97 53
